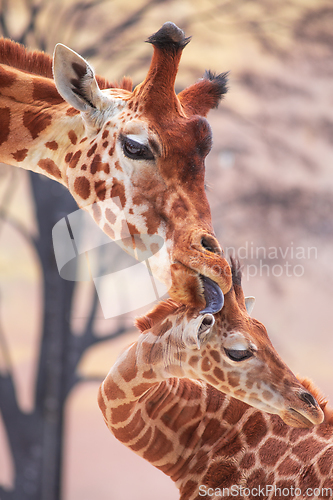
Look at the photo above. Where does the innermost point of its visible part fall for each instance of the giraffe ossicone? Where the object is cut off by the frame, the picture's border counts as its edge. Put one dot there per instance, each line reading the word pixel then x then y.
pixel 145 146
pixel 206 399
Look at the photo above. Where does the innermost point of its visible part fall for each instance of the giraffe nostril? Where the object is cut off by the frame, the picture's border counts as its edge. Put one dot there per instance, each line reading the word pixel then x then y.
pixel 210 244
pixel 308 399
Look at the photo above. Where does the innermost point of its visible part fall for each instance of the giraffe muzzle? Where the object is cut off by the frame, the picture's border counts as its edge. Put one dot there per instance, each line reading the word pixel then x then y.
pixel 305 413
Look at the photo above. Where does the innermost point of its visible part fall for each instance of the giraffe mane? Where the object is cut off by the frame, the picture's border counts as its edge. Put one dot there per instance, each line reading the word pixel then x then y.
pixel 322 400
pixel 37 62
pixel 159 313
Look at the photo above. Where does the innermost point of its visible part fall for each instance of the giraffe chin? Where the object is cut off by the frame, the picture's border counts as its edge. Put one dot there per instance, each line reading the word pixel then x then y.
pixel 294 418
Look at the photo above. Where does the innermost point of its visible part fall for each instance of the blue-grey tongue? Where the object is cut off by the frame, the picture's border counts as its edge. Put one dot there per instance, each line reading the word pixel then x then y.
pixel 213 295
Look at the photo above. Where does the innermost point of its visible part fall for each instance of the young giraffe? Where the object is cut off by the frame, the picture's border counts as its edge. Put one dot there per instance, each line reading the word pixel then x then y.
pixel 195 430
pixel 134 160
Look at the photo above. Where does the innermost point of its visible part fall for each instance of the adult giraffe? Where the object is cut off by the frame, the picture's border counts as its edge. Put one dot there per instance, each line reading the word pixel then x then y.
pixel 134 160
pixel 171 399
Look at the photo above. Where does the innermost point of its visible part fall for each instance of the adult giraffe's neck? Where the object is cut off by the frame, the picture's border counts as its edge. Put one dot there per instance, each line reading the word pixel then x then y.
pixel 38 129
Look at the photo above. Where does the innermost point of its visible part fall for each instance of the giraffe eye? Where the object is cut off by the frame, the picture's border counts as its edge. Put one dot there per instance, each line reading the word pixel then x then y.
pixel 135 150
pixel 238 354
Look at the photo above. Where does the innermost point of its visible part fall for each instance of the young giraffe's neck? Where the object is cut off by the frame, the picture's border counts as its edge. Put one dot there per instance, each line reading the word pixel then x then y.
pixel 206 441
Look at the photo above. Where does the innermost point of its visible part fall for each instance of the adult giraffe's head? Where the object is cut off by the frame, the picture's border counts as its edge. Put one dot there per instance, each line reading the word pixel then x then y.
pixel 138 164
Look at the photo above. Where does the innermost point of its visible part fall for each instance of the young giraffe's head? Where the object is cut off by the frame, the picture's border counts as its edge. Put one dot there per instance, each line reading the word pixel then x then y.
pixel 232 352
pixel 141 154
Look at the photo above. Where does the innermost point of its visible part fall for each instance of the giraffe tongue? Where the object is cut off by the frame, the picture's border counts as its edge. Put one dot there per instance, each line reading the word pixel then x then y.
pixel 213 295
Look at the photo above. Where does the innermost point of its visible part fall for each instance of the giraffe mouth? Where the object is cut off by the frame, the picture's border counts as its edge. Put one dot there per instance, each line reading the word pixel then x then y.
pixel 213 296
pixel 295 418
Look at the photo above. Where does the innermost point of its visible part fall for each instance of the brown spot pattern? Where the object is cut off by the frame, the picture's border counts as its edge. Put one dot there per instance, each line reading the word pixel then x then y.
pixel 307 449
pixel 152 353
pixel 140 389
pixel 127 373
pixel 188 489
pixel 121 413
pixel 75 159
pixel 112 391
pixel 159 447
pixel 97 165
pixel 278 426
pixel 7 78
pixel 109 231
pixel 219 373
pixel 97 212
pixel 100 189
pixel 206 364
pixel 110 216
pixel 72 136
pixel 234 411
pixel 288 466
pixel 255 429
pixel 44 90
pixel 154 248
pixel 221 473
pixel 20 154
pixel 72 111
pixel 215 355
pixel 188 436
pixel 118 190
pixel 325 463
pixel 142 442
pixel 5 122
pixel 272 451
pixel 92 150
pixel 50 167
pixel 213 429
pixel 131 430
pixel 36 122
pixel 233 379
pixel 309 477
pixel 188 414
pixel 149 374
pixel 247 461
pixel 82 187
pixel 53 145
pixel 68 157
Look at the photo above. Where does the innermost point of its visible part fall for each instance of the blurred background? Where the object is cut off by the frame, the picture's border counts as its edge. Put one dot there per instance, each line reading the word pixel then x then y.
pixel 270 185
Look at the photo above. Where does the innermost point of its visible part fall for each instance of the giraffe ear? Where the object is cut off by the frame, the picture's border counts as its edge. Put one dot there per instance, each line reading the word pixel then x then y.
pixel 249 304
pixel 205 94
pixel 197 331
pixel 75 81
